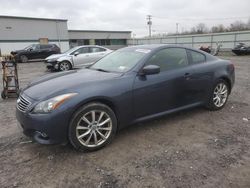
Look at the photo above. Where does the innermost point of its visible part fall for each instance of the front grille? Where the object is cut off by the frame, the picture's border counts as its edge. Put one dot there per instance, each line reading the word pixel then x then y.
pixel 22 104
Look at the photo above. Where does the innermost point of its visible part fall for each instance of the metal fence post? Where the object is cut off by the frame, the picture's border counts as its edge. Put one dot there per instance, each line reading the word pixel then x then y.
pixel 235 38
pixel 212 39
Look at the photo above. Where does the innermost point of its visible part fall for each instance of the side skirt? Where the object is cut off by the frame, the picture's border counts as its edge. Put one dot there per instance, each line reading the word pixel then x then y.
pixel 145 118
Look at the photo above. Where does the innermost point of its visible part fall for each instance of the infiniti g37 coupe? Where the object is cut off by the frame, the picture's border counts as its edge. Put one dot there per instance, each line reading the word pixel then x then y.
pixel 88 106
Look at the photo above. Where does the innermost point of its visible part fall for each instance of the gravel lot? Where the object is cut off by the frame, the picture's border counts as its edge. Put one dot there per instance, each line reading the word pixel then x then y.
pixel 193 148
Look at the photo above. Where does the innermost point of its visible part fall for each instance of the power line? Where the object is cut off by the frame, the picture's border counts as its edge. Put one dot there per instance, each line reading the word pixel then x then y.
pixel 203 18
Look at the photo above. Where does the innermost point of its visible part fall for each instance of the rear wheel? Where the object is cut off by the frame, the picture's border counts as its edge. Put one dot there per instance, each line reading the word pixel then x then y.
pixel 92 127
pixel 23 59
pixel 219 96
pixel 64 66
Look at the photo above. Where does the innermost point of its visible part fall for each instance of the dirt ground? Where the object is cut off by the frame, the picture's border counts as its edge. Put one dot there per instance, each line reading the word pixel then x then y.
pixel 193 148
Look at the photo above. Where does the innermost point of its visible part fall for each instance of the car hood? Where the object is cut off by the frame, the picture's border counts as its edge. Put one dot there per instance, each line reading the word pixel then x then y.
pixel 55 56
pixel 59 83
pixel 17 52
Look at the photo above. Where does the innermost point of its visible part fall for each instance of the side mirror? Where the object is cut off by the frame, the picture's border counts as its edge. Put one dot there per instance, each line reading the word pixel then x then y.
pixel 31 49
pixel 150 69
pixel 76 53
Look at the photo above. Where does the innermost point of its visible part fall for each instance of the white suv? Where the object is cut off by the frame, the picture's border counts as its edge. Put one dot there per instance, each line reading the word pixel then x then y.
pixel 76 57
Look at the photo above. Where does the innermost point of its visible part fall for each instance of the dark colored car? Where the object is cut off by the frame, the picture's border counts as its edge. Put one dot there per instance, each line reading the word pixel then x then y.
pixel 36 51
pixel 206 49
pixel 241 49
pixel 130 85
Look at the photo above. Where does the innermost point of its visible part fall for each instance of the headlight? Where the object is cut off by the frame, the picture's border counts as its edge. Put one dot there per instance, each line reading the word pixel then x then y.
pixel 53 103
pixel 51 60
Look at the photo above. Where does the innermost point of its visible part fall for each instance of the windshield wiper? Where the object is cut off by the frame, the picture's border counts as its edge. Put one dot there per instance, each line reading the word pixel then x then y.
pixel 102 70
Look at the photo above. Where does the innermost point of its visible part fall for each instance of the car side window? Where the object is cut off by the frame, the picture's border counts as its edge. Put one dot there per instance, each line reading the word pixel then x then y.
pixel 196 57
pixel 169 58
pixel 96 49
pixel 45 46
pixel 83 50
pixel 36 47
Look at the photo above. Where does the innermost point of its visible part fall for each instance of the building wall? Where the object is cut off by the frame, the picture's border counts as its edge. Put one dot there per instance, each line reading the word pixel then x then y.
pixel 110 39
pixel 228 40
pixel 19 32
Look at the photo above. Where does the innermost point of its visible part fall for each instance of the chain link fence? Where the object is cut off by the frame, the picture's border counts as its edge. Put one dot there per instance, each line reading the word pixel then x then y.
pixel 227 40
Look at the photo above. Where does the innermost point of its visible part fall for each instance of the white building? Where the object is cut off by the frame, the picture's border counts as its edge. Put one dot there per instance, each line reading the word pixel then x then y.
pixel 19 32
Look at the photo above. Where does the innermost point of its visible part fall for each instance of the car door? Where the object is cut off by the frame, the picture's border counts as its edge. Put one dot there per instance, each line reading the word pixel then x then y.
pixel 167 90
pixel 97 53
pixel 33 52
pixel 45 51
pixel 81 56
pixel 202 76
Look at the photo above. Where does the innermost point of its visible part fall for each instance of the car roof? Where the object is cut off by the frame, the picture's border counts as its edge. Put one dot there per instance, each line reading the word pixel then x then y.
pixel 153 47
pixel 90 46
pixel 156 46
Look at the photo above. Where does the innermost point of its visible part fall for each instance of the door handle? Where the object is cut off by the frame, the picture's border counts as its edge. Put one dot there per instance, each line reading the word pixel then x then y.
pixel 187 75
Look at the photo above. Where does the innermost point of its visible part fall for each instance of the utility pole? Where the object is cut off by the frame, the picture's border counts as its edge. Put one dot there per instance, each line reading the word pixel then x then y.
pixel 149 17
pixel 177 24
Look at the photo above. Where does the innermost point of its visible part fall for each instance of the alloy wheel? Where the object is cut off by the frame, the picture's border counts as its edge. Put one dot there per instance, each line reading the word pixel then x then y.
pixel 93 128
pixel 64 66
pixel 220 94
pixel 23 59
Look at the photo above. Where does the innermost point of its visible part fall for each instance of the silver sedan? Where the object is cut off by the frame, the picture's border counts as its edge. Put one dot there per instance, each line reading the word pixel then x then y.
pixel 76 57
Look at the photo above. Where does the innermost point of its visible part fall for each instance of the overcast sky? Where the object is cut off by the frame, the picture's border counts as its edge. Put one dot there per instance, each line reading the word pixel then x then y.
pixel 131 14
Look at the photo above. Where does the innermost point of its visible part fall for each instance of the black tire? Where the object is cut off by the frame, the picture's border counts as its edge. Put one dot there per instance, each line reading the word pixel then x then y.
pixel 64 66
pixel 212 102
pixel 77 118
pixel 23 59
pixel 3 95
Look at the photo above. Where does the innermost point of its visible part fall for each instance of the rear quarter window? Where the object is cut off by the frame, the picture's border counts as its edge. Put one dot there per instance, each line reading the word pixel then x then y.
pixel 196 57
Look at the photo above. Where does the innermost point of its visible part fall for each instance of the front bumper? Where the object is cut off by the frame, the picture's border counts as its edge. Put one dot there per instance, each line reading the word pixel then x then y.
pixel 52 65
pixel 49 128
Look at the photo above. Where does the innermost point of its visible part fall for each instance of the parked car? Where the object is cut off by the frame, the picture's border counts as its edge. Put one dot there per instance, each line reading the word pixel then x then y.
pixel 35 51
pixel 241 49
pixel 76 57
pixel 87 106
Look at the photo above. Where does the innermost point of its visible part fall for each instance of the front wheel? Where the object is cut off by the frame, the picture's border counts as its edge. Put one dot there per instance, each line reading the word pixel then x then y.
pixel 24 59
pixel 64 66
pixel 219 96
pixel 92 127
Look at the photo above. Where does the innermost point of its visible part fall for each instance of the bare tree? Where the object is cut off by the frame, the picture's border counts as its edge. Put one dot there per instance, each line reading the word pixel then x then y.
pixel 201 28
pixel 238 26
pixel 218 29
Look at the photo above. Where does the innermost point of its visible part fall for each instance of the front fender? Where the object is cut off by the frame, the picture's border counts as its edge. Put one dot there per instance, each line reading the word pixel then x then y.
pixel 66 58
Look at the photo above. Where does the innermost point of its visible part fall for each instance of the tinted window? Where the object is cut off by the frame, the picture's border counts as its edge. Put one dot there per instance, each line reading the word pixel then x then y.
pixel 36 47
pixel 196 57
pixel 169 58
pixel 45 46
pixel 96 49
pixel 102 42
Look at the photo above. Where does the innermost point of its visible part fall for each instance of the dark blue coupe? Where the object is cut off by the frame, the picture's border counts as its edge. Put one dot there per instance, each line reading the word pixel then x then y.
pixel 87 107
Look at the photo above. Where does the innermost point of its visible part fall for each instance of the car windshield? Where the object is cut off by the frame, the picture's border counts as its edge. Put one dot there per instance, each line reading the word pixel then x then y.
pixel 33 46
pixel 119 61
